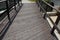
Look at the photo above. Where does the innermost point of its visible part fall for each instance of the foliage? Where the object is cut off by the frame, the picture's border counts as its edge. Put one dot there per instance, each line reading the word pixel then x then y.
pixel 39 0
pixel 32 0
pixel 47 0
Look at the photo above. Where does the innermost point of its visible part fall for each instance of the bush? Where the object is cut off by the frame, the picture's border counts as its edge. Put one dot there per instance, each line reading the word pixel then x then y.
pixel 48 1
pixel 32 0
pixel 46 7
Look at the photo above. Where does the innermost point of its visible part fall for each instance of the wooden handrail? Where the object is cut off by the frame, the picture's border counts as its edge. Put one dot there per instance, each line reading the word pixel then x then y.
pixel 47 15
pixel 53 14
pixel 58 13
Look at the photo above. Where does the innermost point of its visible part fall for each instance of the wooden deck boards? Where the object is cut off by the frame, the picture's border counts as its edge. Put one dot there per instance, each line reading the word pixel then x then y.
pixel 29 25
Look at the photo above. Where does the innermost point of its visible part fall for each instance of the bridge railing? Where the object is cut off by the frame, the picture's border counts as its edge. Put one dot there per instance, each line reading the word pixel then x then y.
pixel 47 9
pixel 7 15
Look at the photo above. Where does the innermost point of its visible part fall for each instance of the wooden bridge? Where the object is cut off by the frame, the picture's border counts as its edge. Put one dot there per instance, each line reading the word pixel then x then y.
pixel 29 24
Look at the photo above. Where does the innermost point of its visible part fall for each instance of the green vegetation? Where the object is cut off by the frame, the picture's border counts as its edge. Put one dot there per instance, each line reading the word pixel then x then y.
pixel 47 0
pixel 32 0
pixel 44 0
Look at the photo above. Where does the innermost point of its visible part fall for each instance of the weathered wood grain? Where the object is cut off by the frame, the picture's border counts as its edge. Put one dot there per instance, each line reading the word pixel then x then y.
pixel 29 25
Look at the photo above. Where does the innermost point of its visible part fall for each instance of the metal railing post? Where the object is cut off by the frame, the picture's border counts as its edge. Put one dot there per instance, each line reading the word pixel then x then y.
pixel 15 5
pixel 8 10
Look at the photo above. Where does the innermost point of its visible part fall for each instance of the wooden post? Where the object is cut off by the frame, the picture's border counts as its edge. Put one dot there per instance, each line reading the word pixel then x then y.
pixel 57 21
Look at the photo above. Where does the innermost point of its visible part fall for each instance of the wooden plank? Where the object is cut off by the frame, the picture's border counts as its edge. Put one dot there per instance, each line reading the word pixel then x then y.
pixel 29 25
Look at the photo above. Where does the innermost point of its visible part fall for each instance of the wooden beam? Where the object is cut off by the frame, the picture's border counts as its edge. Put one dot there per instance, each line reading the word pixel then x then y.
pixel 53 13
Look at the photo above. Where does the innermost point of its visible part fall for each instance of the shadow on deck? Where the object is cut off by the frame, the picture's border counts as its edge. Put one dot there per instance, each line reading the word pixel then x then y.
pixel 29 25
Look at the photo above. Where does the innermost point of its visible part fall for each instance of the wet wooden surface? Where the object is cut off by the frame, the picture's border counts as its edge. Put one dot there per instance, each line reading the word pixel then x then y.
pixel 29 25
